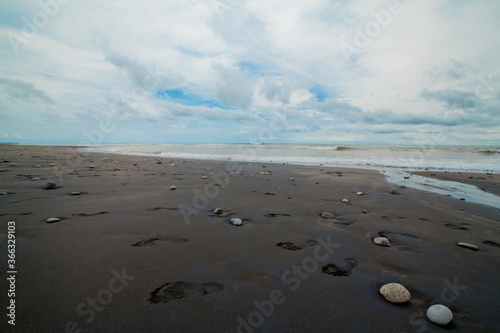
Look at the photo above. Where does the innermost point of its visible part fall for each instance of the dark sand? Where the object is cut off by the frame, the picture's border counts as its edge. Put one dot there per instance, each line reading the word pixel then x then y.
pixel 202 274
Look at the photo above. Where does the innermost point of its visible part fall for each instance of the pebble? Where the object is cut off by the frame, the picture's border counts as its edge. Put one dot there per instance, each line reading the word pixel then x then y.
pixel 359 193
pixel 51 164
pixel 265 172
pixel 92 166
pixel 382 241
pixel 468 246
pixel 393 191
pixel 4 193
pixel 237 222
pixel 292 179
pixel 173 188
pixel 345 200
pixel 327 215
pixel 439 314
pixel 204 177
pixel 36 178
pixel 218 211
pixel 53 219
pixel 51 186
pixel 76 193
pixel 364 211
pixel 395 293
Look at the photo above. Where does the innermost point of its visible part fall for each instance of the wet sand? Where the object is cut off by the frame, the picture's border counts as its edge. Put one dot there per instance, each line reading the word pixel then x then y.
pixel 129 254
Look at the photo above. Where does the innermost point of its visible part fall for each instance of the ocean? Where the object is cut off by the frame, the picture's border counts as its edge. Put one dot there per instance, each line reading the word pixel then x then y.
pixel 411 158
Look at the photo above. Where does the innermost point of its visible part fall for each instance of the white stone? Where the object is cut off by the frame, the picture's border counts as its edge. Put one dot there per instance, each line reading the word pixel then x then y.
pixel 395 293
pixel 359 193
pixel 237 222
pixel 382 241
pixel 92 166
pixel 345 200
pixel 439 314
pixel 218 210
pixel 327 215
pixel 203 177
pixel 36 178
pixel 265 172
pixel 53 219
pixel 76 193
pixel 173 188
pixel 468 246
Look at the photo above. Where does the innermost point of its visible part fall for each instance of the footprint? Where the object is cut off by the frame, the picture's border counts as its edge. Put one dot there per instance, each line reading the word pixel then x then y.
pixel 335 270
pixel 174 290
pixel 159 208
pixel 454 226
pixel 490 243
pixel 292 247
pixel 276 215
pixel 146 242
pixel 390 234
pixel 91 214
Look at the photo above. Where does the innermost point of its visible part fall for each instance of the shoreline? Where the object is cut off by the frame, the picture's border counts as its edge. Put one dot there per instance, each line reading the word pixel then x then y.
pixel 177 260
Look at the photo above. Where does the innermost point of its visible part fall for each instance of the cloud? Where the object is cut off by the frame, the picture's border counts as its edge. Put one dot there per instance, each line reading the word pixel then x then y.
pixel 21 91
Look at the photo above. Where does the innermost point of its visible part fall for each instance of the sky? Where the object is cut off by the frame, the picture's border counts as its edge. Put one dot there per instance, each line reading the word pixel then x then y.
pixel 237 71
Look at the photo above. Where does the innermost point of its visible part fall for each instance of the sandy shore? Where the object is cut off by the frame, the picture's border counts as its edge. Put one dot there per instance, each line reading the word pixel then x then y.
pixel 131 255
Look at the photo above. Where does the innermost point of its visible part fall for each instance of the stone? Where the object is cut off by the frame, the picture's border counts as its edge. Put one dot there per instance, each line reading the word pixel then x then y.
pixel 75 193
pixel 265 173
pixel 51 186
pixel 204 177
pixel 53 219
pixel 4 193
pixel 173 188
pixel 92 166
pixel 292 179
pixel 382 241
pixel 395 293
pixel 51 164
pixel 236 222
pixel 35 178
pixel 218 211
pixel 393 191
pixel 364 211
pixel 359 193
pixel 327 215
pixel 345 200
pixel 468 246
pixel 439 314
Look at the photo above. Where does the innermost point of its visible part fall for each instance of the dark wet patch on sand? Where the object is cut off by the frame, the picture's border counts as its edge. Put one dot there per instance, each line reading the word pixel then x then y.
pixel 336 270
pixel 175 290
pixel 292 247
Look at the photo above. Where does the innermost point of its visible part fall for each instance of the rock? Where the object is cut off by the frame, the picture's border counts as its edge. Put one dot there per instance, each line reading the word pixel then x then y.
pixel 35 178
pixel 51 164
pixel 345 200
pixel 75 193
pixel 462 199
pixel 92 166
pixel 317 183
pixel 236 222
pixel 173 188
pixel 382 241
pixel 292 179
pixel 364 211
pixel 51 186
pixel 53 219
pixel 327 215
pixel 407 177
pixel 395 293
pixel 393 191
pixel 204 177
pixel 218 211
pixel 159 162
pixel 289 197
pixel 439 314
pixel 4 193
pixel 265 173
pixel 468 246
pixel 359 193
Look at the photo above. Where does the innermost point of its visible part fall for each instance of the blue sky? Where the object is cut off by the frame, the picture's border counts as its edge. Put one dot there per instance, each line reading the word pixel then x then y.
pixel 318 71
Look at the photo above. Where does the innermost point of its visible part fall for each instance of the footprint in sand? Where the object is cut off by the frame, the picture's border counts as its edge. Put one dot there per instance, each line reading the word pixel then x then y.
pixel 335 270
pixel 490 243
pixel 292 247
pixel 454 226
pixel 151 241
pixel 276 215
pixel 174 290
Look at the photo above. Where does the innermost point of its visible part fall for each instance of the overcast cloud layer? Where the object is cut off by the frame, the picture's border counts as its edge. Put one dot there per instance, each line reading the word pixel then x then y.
pixel 316 71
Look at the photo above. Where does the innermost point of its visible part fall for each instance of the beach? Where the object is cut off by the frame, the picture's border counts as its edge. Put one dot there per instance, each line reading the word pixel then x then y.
pixel 138 247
